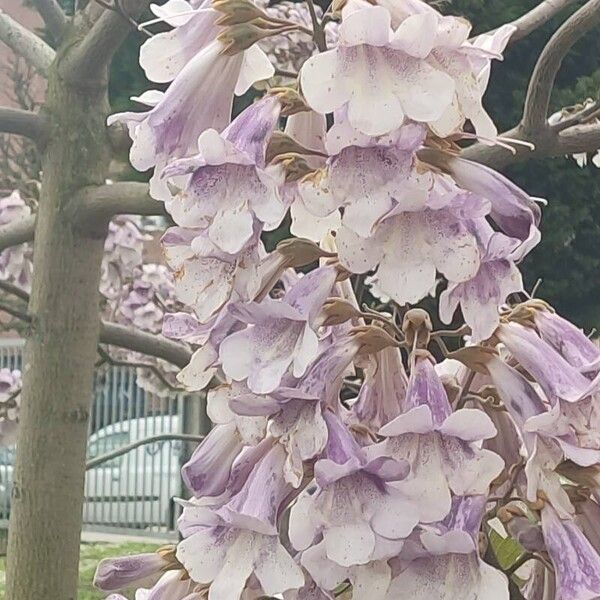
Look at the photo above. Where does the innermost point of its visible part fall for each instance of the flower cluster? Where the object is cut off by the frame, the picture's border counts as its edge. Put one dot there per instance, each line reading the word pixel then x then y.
pixel 133 293
pixel 346 458
pixel 16 265
pixel 10 388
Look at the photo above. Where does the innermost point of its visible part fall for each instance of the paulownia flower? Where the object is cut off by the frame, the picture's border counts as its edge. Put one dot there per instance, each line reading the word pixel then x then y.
pixel 378 74
pixel 199 98
pixel 576 563
pixel 440 445
pixel 279 333
pixel 449 565
pixel 231 189
pixel 355 509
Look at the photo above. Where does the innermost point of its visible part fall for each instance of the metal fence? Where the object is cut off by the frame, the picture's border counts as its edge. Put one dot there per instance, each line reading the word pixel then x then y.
pixel 134 492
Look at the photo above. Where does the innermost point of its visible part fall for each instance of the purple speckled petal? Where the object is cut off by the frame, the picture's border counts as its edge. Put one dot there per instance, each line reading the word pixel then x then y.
pixel 576 562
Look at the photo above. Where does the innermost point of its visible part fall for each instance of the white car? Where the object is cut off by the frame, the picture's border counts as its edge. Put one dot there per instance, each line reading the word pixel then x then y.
pixel 136 489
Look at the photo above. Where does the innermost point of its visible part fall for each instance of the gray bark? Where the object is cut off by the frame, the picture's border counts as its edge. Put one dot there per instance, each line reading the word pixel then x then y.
pixel 47 498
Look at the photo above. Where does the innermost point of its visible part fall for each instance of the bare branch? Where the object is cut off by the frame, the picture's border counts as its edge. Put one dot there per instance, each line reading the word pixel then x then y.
pixel 53 16
pixel 535 112
pixel 16 312
pixel 22 122
pixel 569 136
pixel 25 43
pixel 120 336
pixel 537 17
pixel 580 138
pixel 146 343
pixel 161 437
pixel 14 290
pixel 99 204
pixel 91 58
pixel 17 232
pixel 106 358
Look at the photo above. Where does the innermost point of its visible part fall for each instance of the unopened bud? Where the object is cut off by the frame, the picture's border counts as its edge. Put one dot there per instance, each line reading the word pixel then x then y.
pixel 236 12
pixel 240 37
pixel 417 328
pixel 300 252
pixel 290 99
pixel 372 339
pixel 281 144
pixel 336 311
pixel 474 357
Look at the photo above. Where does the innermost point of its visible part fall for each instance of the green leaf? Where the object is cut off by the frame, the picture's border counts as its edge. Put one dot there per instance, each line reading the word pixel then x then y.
pixel 507 550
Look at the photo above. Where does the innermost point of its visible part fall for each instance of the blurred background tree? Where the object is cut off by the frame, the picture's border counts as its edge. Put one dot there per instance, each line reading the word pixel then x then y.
pixel 568 259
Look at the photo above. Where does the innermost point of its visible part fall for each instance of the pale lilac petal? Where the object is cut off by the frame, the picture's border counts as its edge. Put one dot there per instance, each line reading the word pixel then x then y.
pixel 320 86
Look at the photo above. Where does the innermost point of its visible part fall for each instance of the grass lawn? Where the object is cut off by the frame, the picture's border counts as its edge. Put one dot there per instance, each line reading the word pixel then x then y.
pixel 91 554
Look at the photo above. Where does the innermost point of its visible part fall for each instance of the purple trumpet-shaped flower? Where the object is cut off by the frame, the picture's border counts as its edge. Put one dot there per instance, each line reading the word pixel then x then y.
pixel 309 129
pixel 409 247
pixel 480 297
pixel 407 85
pixel 208 470
pixel 573 418
pixel 205 276
pixel 448 565
pixel 231 187
pixel 368 177
pixel 280 333
pixel 199 98
pixel 512 209
pixel 164 55
pixel 173 585
pixel 568 340
pixel 226 545
pixel 430 71
pixel 576 563
pixel 383 393
pixel 545 451
pixel 114 574
pixel 557 378
pixel 355 509
pixel 440 445
pixel 258 503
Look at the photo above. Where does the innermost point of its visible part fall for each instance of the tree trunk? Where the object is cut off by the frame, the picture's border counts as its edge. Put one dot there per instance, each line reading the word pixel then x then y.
pixel 47 498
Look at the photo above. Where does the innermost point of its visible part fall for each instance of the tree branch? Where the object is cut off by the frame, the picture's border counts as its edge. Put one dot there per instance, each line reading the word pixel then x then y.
pixel 161 437
pixel 25 43
pixel 537 17
pixel 535 112
pixel 569 137
pixel 99 204
pixel 121 336
pixel 146 343
pixel 22 122
pixel 53 16
pixel 17 232
pixel 92 56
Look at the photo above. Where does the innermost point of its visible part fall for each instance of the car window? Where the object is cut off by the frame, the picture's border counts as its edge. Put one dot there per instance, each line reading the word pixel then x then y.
pixel 107 443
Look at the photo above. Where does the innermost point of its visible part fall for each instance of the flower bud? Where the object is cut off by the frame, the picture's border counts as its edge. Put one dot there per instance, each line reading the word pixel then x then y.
pixel 417 327
pixel 114 574
pixel 336 311
pixel 372 339
pixel 300 252
pixel 236 12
